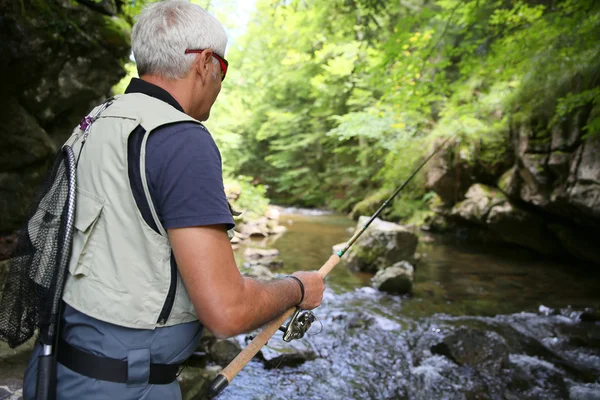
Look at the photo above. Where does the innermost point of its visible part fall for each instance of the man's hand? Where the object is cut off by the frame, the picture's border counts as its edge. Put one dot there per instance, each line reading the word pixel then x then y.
pixel 313 289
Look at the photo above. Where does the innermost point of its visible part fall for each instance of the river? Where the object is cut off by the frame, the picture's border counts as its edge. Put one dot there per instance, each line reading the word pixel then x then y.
pixel 370 345
pixel 376 346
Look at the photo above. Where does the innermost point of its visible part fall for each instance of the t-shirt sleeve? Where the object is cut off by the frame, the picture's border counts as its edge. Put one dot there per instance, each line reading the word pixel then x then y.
pixel 185 179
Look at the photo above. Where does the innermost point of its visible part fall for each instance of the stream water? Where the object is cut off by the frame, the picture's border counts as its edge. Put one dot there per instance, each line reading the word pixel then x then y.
pixel 378 346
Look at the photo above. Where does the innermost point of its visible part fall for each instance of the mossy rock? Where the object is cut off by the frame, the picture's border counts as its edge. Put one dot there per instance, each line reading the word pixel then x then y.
pixel 381 245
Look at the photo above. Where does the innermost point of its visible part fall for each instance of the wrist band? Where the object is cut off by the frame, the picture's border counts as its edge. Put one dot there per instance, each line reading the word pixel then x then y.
pixel 301 287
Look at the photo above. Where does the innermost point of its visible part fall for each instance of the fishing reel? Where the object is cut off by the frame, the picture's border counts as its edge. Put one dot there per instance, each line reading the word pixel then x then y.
pixel 298 325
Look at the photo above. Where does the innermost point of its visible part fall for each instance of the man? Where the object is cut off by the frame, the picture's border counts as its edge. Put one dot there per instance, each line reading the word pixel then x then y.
pixel 151 261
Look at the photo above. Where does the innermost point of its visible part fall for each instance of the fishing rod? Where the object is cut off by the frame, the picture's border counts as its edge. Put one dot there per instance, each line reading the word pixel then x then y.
pixel 301 320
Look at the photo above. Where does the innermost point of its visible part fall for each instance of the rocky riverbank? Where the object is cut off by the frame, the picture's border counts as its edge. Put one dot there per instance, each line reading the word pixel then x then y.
pixel 544 196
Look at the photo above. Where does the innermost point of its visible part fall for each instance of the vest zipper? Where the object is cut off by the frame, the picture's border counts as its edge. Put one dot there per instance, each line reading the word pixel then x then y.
pixel 170 300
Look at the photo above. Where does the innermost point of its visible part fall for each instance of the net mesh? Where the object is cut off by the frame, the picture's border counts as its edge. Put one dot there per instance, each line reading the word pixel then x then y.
pixel 33 289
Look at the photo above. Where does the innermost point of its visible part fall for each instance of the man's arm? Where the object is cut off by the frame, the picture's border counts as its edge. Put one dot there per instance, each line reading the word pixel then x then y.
pixel 226 302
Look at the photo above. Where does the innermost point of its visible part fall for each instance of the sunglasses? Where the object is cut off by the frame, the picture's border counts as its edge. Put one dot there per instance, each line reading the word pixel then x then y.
pixel 222 61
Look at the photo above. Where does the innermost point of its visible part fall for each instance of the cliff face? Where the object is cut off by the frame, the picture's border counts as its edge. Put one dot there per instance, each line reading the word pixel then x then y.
pixel 59 58
pixel 548 200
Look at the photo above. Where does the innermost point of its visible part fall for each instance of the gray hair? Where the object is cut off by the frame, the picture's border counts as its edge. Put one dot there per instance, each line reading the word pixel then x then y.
pixel 166 29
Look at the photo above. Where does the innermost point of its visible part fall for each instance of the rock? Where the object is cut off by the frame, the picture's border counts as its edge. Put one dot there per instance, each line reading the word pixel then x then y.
pixel 24 141
pixel 235 240
pixel 449 175
pixel 483 350
pixel 560 172
pixel 254 229
pixel 531 376
pixel 278 353
pixel 357 320
pixel 369 204
pixel 478 203
pixel 582 242
pixel 590 391
pixel 258 272
pixel 256 254
pixel 62 59
pixel 273 214
pixel 515 225
pixel 262 257
pixel 222 352
pixel 233 190
pixel 381 245
pixel 397 279
pixel 590 315
pixel 194 381
pixel 491 208
pixel 508 182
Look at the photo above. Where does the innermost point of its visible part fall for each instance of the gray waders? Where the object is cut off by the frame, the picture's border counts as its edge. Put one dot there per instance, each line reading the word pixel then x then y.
pixel 138 348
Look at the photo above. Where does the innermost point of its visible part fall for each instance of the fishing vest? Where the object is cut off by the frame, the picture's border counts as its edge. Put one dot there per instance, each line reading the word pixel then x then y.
pixel 121 270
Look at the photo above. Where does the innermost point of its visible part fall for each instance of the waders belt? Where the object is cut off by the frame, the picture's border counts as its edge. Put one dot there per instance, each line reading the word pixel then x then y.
pixel 110 369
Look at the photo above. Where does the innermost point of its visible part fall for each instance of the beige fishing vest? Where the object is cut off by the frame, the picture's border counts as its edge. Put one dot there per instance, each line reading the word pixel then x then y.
pixel 120 268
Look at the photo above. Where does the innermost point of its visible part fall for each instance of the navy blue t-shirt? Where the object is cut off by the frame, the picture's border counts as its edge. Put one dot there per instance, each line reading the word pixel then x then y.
pixel 184 174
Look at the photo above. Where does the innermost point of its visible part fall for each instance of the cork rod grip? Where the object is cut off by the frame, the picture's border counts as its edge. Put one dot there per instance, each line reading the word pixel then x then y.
pixel 255 345
pixel 329 265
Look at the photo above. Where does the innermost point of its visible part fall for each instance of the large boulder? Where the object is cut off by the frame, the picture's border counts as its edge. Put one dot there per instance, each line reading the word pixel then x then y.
pixel 482 350
pixel 62 57
pixel 451 172
pixel 560 172
pixel 449 175
pixel 491 208
pixel 397 279
pixel 381 245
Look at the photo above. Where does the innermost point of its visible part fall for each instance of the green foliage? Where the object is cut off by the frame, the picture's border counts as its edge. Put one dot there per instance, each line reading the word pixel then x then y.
pixel 250 198
pixel 131 72
pixel 335 103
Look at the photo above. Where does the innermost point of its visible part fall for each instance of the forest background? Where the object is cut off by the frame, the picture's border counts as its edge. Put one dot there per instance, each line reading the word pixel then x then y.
pixel 332 103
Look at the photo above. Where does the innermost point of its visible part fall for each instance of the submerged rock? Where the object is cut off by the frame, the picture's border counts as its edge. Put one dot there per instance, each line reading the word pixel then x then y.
pixel 358 320
pixel 531 375
pixel 278 353
pixel 382 244
pixel 478 349
pixel 397 279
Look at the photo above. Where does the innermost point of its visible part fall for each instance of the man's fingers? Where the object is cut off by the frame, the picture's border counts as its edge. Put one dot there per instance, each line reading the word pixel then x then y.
pixel 313 289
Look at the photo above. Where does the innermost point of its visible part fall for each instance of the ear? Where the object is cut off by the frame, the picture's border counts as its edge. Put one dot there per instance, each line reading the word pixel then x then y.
pixel 203 64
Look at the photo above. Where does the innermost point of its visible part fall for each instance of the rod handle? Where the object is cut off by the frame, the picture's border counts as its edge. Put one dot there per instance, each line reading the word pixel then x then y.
pixel 329 265
pixel 244 357
pixel 229 372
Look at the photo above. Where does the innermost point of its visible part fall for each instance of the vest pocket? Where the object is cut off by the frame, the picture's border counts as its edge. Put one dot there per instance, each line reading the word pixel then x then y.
pixel 88 210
